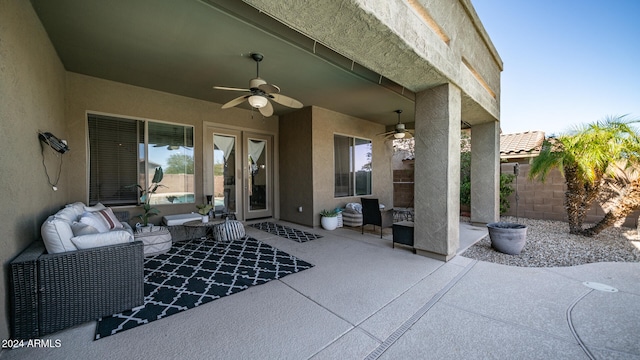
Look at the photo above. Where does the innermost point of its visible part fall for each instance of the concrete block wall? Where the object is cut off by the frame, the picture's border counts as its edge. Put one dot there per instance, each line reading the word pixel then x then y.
pixel 537 200
pixel 545 201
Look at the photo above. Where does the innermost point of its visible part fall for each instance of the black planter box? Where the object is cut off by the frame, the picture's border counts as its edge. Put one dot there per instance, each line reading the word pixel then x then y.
pixel 403 233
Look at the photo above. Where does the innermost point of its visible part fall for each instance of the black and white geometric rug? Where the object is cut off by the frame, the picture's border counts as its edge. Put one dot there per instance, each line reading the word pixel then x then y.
pixel 285 231
pixel 196 272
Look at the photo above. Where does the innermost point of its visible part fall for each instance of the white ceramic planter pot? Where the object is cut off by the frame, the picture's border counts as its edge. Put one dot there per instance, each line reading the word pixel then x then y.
pixel 205 218
pixel 508 238
pixel 329 223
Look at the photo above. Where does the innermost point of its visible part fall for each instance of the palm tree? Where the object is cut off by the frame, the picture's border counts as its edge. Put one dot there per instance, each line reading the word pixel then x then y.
pixel 620 195
pixel 585 158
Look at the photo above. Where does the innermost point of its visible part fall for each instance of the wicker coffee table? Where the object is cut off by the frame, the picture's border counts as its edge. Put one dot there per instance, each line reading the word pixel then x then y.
pixel 195 226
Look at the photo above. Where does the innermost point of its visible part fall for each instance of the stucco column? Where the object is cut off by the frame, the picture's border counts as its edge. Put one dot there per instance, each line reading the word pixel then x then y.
pixel 485 172
pixel 437 172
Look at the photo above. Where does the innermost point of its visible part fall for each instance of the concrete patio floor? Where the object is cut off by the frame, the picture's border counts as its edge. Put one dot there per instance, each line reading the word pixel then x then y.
pixel 364 299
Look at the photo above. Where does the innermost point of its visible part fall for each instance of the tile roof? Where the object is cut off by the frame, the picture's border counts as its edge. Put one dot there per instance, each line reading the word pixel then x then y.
pixel 526 144
pixel 518 145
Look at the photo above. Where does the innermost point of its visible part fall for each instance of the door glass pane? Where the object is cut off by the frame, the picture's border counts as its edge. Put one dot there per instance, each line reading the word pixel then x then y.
pixel 257 174
pixel 224 178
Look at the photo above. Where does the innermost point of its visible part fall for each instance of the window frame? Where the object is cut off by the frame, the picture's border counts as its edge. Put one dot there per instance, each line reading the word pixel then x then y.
pixel 352 188
pixel 142 152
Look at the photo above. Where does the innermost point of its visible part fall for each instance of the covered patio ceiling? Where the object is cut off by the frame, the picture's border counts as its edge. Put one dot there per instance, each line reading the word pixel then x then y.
pixel 187 47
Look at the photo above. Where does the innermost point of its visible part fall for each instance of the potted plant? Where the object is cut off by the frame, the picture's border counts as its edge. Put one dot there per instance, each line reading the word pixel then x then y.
pixel 507 237
pixel 329 219
pixel 145 197
pixel 204 209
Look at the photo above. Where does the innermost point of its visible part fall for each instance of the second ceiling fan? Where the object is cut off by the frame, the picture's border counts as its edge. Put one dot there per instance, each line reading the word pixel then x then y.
pixel 260 93
pixel 399 132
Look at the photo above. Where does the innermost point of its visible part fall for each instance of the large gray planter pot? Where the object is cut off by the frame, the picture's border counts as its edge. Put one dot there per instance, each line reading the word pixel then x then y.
pixel 508 238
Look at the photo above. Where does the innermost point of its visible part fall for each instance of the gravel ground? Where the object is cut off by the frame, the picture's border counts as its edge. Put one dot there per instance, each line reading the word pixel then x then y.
pixel 549 244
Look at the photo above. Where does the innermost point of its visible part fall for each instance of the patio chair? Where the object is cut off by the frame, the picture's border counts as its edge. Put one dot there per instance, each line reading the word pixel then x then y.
pixel 371 214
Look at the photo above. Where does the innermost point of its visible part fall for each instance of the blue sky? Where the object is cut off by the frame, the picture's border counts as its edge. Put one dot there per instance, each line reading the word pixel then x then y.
pixel 566 62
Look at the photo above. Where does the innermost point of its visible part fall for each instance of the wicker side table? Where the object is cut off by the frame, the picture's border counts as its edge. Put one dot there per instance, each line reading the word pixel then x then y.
pixel 197 226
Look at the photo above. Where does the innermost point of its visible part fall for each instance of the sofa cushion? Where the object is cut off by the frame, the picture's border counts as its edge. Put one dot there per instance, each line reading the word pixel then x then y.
pixel 56 235
pixel 78 207
pixel 79 229
pixel 67 214
pixel 95 220
pixel 104 239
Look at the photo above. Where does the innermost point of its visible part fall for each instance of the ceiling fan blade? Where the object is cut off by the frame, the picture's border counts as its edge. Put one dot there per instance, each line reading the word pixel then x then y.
pixel 286 101
pixel 407 135
pixel 266 110
pixel 269 88
pixel 387 133
pixel 230 88
pixel 235 102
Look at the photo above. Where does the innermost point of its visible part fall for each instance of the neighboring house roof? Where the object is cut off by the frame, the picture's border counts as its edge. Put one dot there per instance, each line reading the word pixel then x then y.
pixel 518 145
pixel 521 145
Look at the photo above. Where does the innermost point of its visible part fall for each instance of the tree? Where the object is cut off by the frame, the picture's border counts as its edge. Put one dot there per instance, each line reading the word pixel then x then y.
pixel 585 158
pixel 179 164
pixel 620 196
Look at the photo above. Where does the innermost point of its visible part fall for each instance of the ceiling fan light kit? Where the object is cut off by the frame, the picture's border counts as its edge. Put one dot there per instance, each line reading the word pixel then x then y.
pixel 260 93
pixel 258 101
pixel 400 131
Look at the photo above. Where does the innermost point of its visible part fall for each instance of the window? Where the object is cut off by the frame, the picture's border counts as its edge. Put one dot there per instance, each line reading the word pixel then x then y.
pixel 352 166
pixel 125 152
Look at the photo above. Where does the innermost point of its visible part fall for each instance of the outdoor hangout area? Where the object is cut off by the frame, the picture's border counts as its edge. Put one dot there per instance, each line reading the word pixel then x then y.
pixel 296 292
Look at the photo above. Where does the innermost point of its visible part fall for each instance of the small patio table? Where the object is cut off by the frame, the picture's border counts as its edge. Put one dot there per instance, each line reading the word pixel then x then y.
pixel 192 227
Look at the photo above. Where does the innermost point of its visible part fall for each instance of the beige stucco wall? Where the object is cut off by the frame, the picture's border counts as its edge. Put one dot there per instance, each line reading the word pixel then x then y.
pixel 31 99
pixel 421 58
pixel 296 169
pixel 326 123
pixel 89 94
pixel 307 167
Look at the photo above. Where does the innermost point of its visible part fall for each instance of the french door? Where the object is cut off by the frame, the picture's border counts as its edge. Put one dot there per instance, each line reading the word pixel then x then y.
pixel 258 179
pixel 239 173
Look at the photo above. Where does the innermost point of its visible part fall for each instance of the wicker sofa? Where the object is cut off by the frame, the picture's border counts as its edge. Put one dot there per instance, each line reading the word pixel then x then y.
pixel 51 292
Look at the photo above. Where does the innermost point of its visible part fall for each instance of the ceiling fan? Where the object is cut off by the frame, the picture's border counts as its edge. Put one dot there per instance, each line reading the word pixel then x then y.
pixel 400 132
pixel 260 93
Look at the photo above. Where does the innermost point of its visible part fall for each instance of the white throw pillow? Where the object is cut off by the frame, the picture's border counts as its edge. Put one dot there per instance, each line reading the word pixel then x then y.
pixel 94 220
pixel 109 218
pixel 79 229
pixel 56 235
pixel 97 240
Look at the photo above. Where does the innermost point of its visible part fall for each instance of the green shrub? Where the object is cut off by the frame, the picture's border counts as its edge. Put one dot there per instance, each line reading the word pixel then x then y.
pixel 505 190
pixel 465 183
